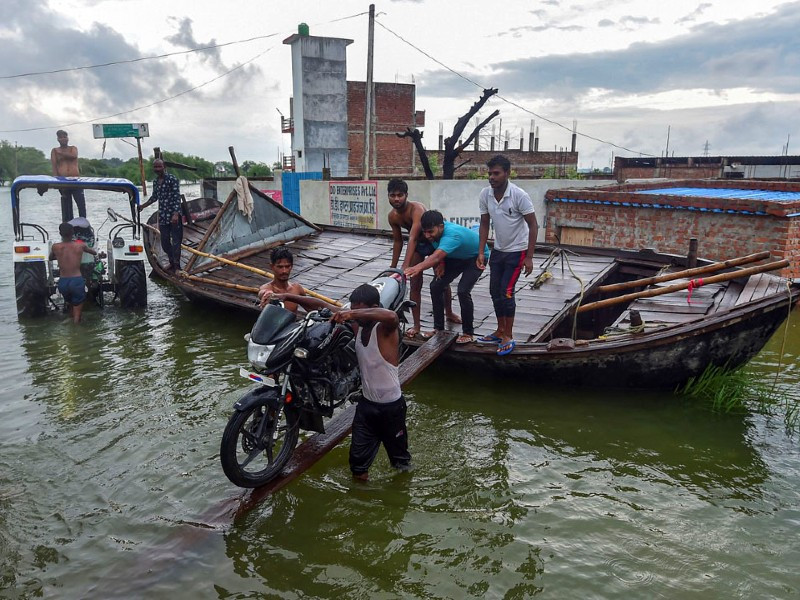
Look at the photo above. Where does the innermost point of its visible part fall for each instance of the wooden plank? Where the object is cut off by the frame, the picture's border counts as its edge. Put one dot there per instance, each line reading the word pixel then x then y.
pixel 750 286
pixel 761 289
pixel 729 297
pixel 338 428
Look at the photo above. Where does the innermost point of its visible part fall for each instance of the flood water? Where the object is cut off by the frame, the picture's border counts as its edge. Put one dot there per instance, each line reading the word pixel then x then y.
pixel 110 483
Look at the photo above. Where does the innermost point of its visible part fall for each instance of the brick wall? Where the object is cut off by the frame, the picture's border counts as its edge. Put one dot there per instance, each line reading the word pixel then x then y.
pixel 394 112
pixel 525 165
pixel 739 226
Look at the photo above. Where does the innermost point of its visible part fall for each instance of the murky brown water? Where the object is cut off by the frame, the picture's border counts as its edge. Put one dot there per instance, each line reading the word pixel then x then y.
pixel 110 484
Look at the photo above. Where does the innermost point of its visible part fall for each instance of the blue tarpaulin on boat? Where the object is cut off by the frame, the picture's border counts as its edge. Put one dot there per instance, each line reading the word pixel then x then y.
pixel 725 193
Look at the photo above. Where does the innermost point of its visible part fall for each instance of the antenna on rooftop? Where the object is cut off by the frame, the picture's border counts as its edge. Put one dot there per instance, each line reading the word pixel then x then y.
pixel 706 146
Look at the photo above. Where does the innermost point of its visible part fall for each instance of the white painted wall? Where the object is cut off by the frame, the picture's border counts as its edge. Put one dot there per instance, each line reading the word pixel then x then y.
pixel 456 199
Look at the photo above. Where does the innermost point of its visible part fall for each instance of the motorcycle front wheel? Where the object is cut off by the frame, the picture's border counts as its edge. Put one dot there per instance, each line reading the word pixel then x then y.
pixel 257 443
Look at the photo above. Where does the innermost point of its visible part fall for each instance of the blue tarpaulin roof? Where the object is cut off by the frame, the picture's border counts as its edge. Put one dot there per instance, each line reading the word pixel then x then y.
pixel 725 193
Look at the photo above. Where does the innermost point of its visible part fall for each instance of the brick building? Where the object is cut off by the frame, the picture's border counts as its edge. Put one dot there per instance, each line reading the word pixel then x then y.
pixel 394 111
pixel 326 121
pixel 525 164
pixel 702 167
pixel 728 218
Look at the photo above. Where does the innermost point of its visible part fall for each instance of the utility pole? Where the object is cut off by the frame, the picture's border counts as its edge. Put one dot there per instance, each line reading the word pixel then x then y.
pixel 368 100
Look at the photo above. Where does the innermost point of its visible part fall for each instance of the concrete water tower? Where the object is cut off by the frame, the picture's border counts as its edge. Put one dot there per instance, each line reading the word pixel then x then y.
pixel 319 102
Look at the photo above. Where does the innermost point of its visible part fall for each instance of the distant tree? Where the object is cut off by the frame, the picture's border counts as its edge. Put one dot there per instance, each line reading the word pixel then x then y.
pixel 252 168
pixel 22 160
pixel 557 173
pixel 452 144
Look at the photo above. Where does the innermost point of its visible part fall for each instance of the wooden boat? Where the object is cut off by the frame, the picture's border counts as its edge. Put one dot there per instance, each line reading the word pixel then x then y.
pixel 562 337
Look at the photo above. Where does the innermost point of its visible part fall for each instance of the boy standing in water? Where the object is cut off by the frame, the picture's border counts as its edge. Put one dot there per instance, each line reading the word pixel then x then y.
pixel 68 253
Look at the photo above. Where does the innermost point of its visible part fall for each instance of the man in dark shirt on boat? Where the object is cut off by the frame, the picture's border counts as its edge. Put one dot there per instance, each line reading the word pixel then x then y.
pixel 281 263
pixel 456 247
pixel 381 416
pixel 64 160
pixel 68 253
pixel 167 190
pixel 406 214
pixel 510 209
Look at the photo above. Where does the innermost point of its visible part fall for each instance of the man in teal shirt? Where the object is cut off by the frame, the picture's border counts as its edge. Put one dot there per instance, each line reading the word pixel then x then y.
pixel 455 253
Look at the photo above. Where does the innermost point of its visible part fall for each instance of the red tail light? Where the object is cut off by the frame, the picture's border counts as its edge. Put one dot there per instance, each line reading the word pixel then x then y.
pixel 288 397
pixel 135 248
pixel 22 249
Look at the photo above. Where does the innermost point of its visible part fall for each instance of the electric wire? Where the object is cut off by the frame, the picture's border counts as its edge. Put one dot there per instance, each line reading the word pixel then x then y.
pixel 506 100
pixel 166 55
pixel 161 101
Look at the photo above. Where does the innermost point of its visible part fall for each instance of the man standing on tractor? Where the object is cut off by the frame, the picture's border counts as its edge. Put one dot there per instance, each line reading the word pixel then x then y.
pixel 167 190
pixel 64 159
pixel 68 253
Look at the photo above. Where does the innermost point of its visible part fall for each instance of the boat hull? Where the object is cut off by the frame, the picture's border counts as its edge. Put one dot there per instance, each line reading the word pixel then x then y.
pixel 655 360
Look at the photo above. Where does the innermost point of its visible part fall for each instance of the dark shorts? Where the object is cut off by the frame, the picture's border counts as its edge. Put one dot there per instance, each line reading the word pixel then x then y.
pixel 375 423
pixel 73 289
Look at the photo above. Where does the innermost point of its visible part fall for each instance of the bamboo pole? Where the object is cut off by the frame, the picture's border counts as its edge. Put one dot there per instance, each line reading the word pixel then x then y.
pixel 717 266
pixel 232 263
pixel 233 286
pixel 779 264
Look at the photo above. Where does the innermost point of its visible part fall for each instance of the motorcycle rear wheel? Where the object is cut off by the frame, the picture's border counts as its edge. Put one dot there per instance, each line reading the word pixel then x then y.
pixel 250 461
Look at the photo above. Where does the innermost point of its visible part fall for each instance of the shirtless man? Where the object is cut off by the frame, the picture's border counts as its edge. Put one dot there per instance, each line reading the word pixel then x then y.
pixel 381 416
pixel 64 160
pixel 282 261
pixel 406 214
pixel 68 253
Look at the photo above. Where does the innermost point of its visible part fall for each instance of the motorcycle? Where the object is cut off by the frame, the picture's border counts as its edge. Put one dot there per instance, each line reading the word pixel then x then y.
pixel 304 370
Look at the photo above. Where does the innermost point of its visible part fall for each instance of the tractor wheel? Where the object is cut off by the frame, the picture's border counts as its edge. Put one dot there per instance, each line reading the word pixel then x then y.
pixel 131 284
pixel 30 281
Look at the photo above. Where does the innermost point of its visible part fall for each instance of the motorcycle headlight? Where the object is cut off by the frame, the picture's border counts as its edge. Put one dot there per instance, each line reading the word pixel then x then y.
pixel 258 354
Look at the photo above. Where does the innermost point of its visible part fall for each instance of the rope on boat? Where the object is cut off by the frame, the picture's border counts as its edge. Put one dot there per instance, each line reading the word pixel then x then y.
pixel 545 274
pixel 783 343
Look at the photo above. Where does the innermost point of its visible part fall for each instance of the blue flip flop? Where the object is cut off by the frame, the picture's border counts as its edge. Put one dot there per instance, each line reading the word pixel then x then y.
pixel 489 339
pixel 506 348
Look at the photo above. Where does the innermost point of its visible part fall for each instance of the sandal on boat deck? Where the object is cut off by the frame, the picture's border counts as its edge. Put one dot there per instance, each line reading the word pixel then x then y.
pixel 465 338
pixel 489 339
pixel 506 348
pixel 425 335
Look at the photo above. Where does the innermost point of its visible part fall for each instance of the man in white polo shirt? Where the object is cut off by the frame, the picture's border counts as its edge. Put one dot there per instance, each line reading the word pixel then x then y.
pixel 515 228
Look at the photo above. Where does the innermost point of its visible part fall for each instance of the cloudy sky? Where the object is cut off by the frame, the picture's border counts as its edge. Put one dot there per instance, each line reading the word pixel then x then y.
pixel 627 71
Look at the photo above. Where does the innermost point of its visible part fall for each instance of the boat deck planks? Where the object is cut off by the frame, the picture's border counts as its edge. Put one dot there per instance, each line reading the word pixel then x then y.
pixel 314 448
pixel 333 263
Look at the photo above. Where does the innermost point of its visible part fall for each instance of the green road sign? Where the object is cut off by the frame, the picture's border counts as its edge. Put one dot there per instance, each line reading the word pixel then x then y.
pixel 121 130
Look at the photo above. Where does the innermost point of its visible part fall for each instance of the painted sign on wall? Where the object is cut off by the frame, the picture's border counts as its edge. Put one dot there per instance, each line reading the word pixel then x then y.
pixel 354 203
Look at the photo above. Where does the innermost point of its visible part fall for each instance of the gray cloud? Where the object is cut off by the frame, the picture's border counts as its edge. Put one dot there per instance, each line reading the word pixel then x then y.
pixel 632 23
pixel 41 40
pixel 518 32
pixel 761 53
pixel 692 16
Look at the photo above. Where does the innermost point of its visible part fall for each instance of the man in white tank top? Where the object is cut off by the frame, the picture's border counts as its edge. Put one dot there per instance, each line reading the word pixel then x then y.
pixel 381 417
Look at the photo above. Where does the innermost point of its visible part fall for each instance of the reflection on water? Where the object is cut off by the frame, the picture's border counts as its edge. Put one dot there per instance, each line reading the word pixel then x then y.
pixel 110 484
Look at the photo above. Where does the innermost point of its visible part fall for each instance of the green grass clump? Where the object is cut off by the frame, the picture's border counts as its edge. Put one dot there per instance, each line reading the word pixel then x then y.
pixel 738 389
